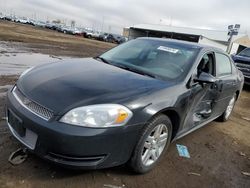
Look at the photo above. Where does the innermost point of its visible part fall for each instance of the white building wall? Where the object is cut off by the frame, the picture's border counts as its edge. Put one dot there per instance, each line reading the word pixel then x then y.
pixel 132 34
pixel 234 48
pixel 212 43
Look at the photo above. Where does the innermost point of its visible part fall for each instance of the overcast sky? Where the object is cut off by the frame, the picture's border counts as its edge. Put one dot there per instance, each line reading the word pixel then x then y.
pixel 116 14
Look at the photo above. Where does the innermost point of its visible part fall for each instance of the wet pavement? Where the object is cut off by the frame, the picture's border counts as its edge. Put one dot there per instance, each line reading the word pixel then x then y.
pixel 14 60
pixel 4 89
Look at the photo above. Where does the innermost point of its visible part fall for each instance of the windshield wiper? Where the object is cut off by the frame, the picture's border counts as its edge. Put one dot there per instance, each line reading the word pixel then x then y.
pixel 102 59
pixel 135 70
pixel 126 67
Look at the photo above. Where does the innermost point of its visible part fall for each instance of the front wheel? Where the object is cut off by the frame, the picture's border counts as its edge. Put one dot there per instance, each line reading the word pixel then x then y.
pixel 225 116
pixel 153 142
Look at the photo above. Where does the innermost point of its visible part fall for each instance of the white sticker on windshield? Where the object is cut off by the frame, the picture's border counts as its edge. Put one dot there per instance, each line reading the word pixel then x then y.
pixel 167 49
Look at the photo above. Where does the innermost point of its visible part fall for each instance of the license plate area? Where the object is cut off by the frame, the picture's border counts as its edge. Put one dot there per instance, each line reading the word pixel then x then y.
pixel 24 135
pixel 16 123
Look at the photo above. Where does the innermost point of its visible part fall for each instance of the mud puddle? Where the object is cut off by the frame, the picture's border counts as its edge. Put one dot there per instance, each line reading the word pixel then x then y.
pixel 14 61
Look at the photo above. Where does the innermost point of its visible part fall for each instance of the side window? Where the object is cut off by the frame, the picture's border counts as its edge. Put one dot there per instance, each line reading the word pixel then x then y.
pixel 223 65
pixel 206 64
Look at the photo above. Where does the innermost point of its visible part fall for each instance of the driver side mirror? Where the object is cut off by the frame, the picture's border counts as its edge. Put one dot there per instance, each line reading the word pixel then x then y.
pixel 205 78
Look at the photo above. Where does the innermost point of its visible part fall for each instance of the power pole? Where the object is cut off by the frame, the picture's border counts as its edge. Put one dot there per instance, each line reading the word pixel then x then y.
pixel 102 23
pixel 232 30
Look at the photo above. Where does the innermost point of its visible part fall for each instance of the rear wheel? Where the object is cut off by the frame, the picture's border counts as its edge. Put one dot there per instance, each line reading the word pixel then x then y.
pixel 154 141
pixel 225 116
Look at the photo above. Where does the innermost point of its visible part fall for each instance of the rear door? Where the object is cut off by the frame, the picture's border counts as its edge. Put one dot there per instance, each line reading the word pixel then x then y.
pixel 226 81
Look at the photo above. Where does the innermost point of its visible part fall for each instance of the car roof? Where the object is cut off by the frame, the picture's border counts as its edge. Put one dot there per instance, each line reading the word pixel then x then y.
pixel 184 43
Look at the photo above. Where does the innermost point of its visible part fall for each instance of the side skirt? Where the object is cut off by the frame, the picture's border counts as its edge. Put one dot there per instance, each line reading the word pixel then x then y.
pixel 194 128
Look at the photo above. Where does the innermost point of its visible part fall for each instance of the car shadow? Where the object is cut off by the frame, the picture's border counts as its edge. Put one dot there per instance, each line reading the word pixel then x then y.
pixel 246 88
pixel 55 171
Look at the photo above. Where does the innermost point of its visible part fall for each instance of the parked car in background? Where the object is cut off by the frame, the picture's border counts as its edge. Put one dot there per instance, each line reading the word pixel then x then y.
pixel 92 34
pixel 59 27
pixel 22 20
pixel 242 61
pixel 7 18
pixel 32 22
pixel 110 38
pixel 114 38
pixel 1 16
pixel 79 32
pixel 125 106
pixel 89 34
pixel 65 29
pixel 14 19
pixel 96 34
pixel 52 26
pixel 103 36
pixel 40 24
pixel 119 39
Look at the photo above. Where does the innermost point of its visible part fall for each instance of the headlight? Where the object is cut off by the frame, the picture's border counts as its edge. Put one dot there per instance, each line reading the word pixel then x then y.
pixel 26 71
pixel 103 115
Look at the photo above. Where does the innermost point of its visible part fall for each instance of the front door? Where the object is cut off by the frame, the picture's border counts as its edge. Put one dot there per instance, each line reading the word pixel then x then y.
pixel 203 96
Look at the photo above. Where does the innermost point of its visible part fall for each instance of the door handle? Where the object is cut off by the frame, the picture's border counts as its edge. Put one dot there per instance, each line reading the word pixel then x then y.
pixel 218 85
pixel 214 86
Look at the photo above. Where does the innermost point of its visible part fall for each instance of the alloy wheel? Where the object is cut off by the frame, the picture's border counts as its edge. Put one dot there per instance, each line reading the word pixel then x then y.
pixel 230 107
pixel 154 145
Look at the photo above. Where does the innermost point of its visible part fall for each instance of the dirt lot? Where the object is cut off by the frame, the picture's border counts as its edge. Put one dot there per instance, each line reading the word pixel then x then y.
pixel 42 40
pixel 220 152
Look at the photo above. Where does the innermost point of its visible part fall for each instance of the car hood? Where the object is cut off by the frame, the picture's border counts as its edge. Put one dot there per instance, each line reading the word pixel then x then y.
pixel 241 58
pixel 78 82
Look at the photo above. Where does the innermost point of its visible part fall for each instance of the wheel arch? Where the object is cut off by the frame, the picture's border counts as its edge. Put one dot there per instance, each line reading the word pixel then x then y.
pixel 237 94
pixel 174 117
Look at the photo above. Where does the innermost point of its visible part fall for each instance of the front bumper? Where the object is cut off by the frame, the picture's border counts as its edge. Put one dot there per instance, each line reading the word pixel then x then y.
pixel 73 146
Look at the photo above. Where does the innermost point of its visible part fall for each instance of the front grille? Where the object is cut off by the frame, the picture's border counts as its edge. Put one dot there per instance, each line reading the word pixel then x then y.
pixel 35 108
pixel 242 62
pixel 75 159
pixel 244 65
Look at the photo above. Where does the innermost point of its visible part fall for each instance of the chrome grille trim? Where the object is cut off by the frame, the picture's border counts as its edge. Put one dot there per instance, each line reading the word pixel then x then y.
pixel 33 107
pixel 242 65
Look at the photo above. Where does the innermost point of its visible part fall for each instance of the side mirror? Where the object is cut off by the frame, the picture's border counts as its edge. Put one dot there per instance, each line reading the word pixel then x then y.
pixel 205 78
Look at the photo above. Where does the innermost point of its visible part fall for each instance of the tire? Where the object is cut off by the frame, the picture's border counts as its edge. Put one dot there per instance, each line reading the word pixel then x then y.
pixel 226 114
pixel 149 149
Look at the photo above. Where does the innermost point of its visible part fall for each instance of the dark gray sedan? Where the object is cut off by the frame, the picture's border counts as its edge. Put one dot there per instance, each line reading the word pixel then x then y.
pixel 125 106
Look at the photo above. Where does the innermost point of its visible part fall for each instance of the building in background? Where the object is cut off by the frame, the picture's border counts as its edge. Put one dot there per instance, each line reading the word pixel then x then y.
pixel 214 38
pixel 240 44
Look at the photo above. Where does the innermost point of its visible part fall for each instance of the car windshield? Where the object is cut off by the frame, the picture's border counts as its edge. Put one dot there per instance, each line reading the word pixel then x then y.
pixel 245 52
pixel 156 58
